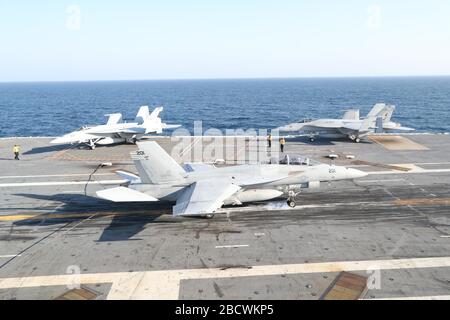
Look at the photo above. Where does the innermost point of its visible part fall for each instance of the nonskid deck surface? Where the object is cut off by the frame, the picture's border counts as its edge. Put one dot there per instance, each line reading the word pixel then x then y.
pixel 392 226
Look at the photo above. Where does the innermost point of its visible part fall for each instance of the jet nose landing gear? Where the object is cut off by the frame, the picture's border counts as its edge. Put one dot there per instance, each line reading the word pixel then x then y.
pixel 291 203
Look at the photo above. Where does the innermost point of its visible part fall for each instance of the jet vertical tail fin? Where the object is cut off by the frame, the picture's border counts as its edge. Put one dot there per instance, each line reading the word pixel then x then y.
pixel 155 165
pixel 113 118
pixel 142 115
pixel 375 111
pixel 155 113
pixel 386 113
pixel 379 114
pixel 351 114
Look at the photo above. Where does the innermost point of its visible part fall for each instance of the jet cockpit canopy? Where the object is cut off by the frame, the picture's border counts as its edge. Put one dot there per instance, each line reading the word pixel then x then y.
pixel 298 160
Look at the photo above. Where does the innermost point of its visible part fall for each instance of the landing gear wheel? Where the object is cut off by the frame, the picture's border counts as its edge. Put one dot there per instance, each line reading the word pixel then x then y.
pixel 209 216
pixel 133 141
pixel 92 146
pixel 291 203
pixel 311 139
pixel 357 140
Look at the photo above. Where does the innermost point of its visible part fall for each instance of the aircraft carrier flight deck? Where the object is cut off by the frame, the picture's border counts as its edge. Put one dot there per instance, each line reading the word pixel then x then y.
pixel 384 236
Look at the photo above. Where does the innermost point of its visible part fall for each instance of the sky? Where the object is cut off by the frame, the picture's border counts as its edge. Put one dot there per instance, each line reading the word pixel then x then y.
pixel 173 39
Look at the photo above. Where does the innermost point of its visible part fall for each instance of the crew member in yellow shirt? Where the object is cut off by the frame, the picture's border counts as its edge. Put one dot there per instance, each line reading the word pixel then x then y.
pixel 16 150
pixel 282 143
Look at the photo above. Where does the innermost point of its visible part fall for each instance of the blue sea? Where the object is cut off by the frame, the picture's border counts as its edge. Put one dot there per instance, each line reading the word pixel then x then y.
pixel 55 108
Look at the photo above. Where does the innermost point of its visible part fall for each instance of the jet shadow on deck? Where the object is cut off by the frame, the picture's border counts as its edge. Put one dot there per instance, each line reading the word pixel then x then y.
pixel 128 219
pixel 47 149
pixel 321 141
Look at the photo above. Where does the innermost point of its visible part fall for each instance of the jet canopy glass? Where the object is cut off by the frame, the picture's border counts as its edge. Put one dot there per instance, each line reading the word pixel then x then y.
pixel 298 160
pixel 84 128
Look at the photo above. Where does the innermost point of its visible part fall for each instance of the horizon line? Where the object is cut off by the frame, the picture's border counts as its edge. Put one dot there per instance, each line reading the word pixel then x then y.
pixel 231 78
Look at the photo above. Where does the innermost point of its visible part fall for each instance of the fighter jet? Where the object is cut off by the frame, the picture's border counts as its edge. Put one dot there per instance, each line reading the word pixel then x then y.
pixel 118 131
pixel 200 189
pixel 378 120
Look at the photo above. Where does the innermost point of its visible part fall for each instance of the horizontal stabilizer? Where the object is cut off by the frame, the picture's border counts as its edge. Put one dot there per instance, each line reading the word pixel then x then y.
pixel 128 176
pixel 122 194
pixel 170 126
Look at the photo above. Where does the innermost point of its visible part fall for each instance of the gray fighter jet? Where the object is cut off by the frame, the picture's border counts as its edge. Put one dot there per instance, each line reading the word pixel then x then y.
pixel 200 189
pixel 118 131
pixel 378 120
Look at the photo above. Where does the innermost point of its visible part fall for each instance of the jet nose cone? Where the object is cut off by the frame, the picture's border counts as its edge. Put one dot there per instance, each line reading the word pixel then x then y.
pixel 355 174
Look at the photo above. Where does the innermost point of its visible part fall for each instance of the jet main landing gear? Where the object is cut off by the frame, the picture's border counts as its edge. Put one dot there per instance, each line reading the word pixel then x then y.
pixel 355 139
pixel 291 197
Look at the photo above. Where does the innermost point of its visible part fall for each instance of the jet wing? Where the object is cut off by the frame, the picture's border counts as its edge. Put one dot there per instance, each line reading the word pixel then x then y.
pixel 119 130
pixel 296 126
pixel 198 167
pixel 204 197
pixel 351 126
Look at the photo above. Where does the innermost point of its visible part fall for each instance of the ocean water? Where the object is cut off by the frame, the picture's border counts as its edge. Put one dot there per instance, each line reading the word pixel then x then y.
pixel 55 108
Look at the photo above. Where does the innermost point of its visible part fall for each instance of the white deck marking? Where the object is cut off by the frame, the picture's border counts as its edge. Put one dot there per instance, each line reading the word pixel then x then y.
pixel 57 175
pixel 10 256
pixel 232 246
pixel 408 172
pixel 381 180
pixel 443 297
pixel 165 284
pixel 60 183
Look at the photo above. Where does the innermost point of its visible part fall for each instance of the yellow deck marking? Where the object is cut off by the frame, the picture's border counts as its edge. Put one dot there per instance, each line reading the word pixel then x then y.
pixel 19 217
pixel 423 202
pixel 397 143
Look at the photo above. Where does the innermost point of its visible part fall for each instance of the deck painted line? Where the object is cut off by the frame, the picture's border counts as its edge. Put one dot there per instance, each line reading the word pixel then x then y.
pixel 57 175
pixel 62 183
pixel 443 297
pixel 445 236
pixel 10 256
pixel 408 172
pixel 165 284
pixel 381 180
pixel 232 246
